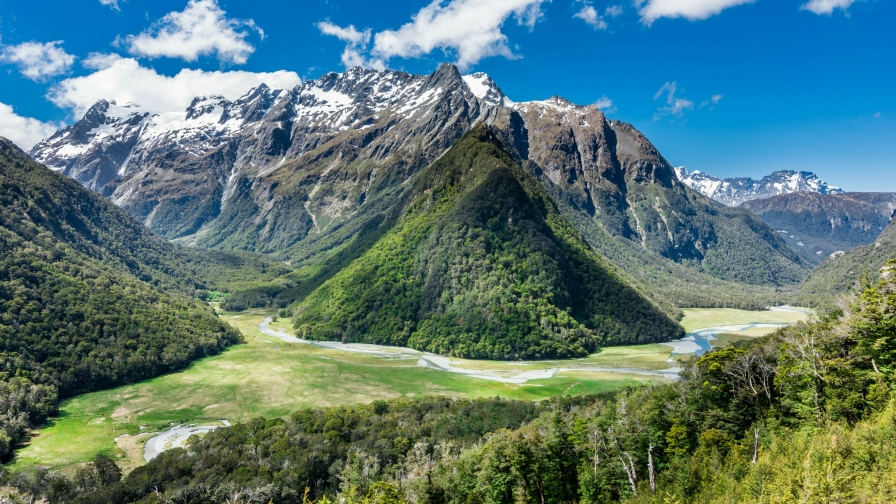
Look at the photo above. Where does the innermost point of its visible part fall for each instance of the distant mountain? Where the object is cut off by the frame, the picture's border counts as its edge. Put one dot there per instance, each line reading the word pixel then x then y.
pixel 481 264
pixel 817 225
pixel 839 273
pixel 734 191
pixel 308 175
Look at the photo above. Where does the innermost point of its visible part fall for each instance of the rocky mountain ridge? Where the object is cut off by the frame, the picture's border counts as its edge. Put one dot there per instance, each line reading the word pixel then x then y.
pixel 737 190
pixel 305 173
pixel 841 272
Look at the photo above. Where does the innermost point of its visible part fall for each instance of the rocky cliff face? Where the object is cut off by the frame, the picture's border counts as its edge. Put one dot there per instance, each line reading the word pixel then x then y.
pixel 610 180
pixel 300 172
pixel 734 191
pixel 330 140
pixel 818 225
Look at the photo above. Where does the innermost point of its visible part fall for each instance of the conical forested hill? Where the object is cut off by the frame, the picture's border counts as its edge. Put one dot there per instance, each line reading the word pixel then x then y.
pixel 481 264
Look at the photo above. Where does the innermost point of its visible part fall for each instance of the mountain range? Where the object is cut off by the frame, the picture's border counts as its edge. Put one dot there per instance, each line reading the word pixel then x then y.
pixel 435 213
pixel 818 225
pixel 735 191
pixel 310 174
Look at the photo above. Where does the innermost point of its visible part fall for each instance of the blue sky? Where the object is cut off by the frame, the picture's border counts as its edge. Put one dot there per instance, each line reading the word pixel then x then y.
pixel 728 87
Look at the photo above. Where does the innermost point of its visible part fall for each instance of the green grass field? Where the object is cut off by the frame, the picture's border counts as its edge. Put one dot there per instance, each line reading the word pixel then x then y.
pixel 267 377
pixel 698 318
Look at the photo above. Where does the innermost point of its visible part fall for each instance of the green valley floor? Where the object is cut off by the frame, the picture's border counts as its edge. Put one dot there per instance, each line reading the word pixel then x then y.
pixel 267 377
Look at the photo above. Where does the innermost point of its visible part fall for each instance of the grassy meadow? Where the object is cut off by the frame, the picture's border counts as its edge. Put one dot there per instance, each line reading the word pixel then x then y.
pixel 698 318
pixel 267 377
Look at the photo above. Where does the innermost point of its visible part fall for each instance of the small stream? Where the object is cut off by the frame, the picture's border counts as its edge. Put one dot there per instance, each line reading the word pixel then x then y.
pixel 698 342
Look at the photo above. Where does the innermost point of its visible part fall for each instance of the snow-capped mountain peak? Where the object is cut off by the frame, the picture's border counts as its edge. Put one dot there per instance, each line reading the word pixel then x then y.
pixel 111 140
pixel 178 170
pixel 484 88
pixel 734 191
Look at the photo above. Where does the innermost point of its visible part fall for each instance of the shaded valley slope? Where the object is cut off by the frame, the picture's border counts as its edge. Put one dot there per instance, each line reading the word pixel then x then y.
pixel 90 298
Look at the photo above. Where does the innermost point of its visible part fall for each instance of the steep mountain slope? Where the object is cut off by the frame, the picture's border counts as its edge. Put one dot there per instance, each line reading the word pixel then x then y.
pixel 840 273
pixel 734 191
pixel 480 263
pixel 308 155
pixel 80 306
pixel 609 176
pixel 310 173
pixel 818 225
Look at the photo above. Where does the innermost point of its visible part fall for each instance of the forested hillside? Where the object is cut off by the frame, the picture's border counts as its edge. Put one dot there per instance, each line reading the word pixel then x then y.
pixel 840 273
pixel 88 297
pixel 481 264
pixel 307 175
pixel 804 415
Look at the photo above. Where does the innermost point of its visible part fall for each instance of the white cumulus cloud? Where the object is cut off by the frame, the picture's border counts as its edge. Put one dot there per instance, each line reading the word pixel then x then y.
pixel 826 6
pixel 470 30
pixel 356 42
pixel 605 104
pixel 688 9
pixel 24 131
pixel 111 3
pixel 201 29
pixel 38 61
pixel 125 80
pixel 589 15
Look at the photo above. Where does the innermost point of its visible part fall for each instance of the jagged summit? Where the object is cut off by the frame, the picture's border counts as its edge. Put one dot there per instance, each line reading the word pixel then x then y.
pixel 734 191
pixel 482 85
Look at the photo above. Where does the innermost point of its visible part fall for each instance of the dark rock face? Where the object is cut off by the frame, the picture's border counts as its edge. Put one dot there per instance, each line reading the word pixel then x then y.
pixel 611 177
pixel 331 154
pixel 818 225
pixel 734 191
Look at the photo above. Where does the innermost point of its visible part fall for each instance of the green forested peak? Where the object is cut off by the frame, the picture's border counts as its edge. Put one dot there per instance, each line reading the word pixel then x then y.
pixel 481 264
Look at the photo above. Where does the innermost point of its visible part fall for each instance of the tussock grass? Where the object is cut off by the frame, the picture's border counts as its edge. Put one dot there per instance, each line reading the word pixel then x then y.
pixel 698 318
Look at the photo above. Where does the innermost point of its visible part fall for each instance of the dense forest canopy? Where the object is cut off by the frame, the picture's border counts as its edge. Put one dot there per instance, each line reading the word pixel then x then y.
pixel 806 414
pixel 89 298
